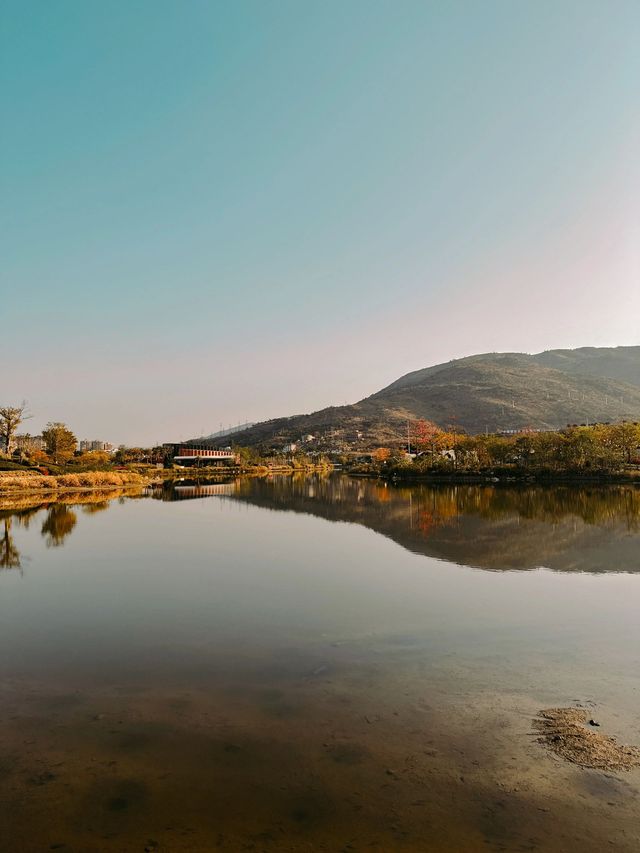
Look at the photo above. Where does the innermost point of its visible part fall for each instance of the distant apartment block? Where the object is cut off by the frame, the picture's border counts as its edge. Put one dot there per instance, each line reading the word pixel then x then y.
pixel 87 446
pixel 28 443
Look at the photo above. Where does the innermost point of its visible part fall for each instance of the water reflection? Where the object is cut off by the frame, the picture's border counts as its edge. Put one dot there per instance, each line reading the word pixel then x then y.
pixel 9 554
pixel 566 528
pixel 58 524
pixel 184 490
pixel 213 675
pixel 494 527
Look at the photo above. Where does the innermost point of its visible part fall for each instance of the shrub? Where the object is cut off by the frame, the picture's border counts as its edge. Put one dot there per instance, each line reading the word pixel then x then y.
pixel 12 480
pixel 69 480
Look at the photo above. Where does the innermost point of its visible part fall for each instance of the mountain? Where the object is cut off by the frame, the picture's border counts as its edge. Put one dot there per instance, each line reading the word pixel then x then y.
pixel 492 391
pixel 229 431
pixel 622 363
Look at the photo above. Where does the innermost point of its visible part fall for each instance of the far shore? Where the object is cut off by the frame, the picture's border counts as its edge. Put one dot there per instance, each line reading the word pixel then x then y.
pixel 28 482
pixel 631 478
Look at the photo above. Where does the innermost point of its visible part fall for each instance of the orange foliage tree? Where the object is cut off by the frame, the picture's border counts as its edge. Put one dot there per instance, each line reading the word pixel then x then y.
pixel 381 454
pixel 427 435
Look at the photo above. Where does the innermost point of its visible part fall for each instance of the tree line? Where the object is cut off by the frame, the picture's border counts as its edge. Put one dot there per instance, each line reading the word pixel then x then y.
pixel 601 447
pixel 61 444
pixel 59 441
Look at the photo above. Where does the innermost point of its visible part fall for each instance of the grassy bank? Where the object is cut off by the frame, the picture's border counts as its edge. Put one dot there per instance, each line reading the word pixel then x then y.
pixel 21 481
pixel 15 482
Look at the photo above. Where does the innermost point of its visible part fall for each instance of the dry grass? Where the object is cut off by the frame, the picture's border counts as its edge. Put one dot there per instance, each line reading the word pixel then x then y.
pixel 11 481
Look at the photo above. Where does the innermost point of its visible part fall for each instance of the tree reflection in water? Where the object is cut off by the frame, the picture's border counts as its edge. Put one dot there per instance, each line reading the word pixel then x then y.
pixel 59 520
pixel 99 506
pixel 9 554
pixel 58 524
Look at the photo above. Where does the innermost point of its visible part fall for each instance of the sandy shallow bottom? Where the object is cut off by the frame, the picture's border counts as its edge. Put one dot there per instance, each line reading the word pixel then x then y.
pixel 338 757
pixel 211 675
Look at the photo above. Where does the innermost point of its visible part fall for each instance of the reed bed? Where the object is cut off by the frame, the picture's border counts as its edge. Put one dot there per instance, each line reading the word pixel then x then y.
pixel 21 481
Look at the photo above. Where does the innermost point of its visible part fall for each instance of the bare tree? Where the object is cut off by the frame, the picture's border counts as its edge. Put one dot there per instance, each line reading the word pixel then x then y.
pixel 10 419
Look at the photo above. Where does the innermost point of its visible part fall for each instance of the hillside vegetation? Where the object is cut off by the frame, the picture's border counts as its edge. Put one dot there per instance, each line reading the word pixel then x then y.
pixel 491 392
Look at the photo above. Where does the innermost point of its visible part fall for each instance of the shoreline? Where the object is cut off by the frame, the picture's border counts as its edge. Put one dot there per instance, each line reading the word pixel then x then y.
pixel 561 478
pixel 24 483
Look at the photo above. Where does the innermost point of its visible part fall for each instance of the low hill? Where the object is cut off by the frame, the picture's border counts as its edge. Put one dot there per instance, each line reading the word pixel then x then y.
pixel 228 431
pixel 492 392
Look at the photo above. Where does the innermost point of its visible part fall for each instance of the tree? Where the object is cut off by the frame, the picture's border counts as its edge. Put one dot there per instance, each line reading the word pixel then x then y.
pixel 381 454
pixel 38 457
pixel 248 455
pixel 625 438
pixel 10 419
pixel 94 458
pixel 427 435
pixel 60 442
pixel 126 455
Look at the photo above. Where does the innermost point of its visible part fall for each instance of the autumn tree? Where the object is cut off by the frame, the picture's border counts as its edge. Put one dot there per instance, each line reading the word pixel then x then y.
pixel 127 455
pixel 625 437
pixel 38 457
pixel 60 442
pixel 381 454
pixel 10 419
pixel 94 458
pixel 427 435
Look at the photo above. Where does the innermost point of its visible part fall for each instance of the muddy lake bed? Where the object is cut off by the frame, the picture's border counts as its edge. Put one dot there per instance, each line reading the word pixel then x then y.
pixel 318 663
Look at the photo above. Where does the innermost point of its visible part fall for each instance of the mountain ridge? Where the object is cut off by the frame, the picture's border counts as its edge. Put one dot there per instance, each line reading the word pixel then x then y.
pixel 490 392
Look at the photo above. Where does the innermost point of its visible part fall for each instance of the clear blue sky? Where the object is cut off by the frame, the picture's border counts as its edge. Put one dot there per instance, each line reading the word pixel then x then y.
pixel 214 212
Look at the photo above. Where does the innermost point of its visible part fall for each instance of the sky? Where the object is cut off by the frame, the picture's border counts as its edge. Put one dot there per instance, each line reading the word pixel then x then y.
pixel 215 212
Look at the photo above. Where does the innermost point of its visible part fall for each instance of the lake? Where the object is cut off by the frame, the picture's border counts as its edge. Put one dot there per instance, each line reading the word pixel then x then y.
pixel 316 663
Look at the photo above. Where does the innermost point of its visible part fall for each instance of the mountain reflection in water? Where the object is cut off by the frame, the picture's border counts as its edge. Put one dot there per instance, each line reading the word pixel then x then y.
pixel 496 527
pixel 493 527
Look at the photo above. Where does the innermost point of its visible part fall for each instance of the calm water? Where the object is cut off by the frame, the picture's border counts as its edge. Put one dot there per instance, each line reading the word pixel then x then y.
pixel 316 664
